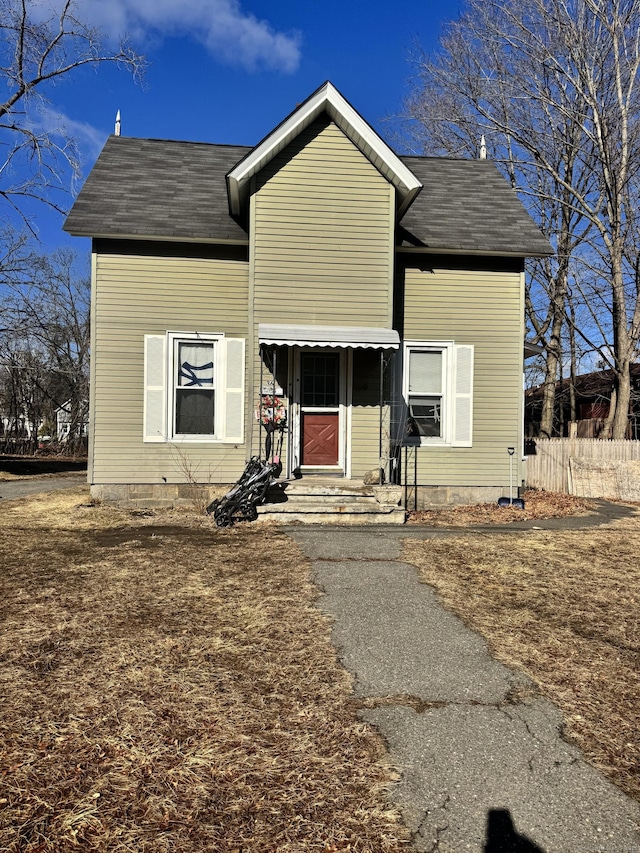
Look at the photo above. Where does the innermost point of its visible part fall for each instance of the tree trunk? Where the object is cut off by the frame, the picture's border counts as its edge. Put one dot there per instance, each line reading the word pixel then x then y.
pixel 549 393
pixel 623 398
pixel 573 372
pixel 554 347
pixel 622 348
pixel 606 429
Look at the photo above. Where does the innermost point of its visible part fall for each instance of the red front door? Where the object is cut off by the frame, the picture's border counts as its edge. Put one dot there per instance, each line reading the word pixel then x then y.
pixel 320 408
pixel 320 438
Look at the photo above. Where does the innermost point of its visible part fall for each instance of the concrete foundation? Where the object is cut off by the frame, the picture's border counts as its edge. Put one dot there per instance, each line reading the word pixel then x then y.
pixel 436 497
pixel 150 495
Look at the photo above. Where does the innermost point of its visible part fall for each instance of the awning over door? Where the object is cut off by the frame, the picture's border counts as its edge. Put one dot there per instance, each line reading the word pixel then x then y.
pixel 347 337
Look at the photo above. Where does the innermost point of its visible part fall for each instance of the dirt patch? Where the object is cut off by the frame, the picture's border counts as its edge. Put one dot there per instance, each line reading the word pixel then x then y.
pixel 169 686
pixel 564 608
pixel 538 505
pixel 153 536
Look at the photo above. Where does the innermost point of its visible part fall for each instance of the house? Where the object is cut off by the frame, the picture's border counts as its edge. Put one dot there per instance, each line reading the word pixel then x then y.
pixel 378 297
pixel 65 421
pixel 592 397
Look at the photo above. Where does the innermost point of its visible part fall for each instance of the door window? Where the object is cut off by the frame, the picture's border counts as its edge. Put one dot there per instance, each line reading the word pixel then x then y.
pixel 320 372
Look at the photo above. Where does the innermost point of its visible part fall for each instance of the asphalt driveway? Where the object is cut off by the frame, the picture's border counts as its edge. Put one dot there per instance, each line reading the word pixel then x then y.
pixel 12 489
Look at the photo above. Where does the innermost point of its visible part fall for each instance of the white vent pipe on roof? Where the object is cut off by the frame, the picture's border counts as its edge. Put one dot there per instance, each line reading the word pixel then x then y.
pixel 117 128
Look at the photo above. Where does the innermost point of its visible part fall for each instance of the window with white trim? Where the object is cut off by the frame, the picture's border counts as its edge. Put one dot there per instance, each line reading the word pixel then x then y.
pixel 438 392
pixel 425 397
pixel 194 388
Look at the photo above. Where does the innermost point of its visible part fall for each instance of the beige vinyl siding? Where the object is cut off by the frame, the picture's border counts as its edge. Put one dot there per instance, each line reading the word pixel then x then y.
pixel 255 436
pixel 365 412
pixel 365 439
pixel 92 371
pixel 484 309
pixel 323 234
pixel 137 295
pixel 322 220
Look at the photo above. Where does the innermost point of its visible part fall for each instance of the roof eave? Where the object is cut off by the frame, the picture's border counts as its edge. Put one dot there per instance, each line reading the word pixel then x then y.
pixel 349 120
pixel 494 253
pixel 407 201
pixel 159 238
pixel 531 349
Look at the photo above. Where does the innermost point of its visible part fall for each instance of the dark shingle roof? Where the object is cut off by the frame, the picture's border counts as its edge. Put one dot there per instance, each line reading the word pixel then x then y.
pixel 467 205
pixel 177 190
pixel 157 188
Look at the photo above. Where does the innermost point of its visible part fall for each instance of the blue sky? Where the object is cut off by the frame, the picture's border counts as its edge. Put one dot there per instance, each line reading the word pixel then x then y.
pixel 228 71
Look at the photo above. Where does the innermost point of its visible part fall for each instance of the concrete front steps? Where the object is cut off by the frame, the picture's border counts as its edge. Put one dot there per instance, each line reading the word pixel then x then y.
pixel 325 500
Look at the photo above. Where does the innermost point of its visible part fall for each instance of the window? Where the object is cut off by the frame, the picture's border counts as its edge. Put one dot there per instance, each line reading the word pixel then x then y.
pixel 425 398
pixel 194 388
pixel 194 377
pixel 320 377
pixel 438 385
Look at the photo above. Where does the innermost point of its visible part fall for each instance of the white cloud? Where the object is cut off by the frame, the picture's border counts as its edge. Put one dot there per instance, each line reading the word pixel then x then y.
pixel 88 138
pixel 231 35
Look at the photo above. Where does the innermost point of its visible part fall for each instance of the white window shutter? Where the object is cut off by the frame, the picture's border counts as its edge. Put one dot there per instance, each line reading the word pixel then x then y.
pixel 155 388
pixel 234 390
pixel 462 396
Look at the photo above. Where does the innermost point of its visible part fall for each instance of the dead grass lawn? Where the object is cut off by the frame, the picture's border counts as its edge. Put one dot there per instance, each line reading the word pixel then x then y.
pixel 564 607
pixel 537 505
pixel 166 686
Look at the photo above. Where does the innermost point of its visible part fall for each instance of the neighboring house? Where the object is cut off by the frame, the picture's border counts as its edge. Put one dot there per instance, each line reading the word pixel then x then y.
pixel 381 298
pixel 19 427
pixel 64 421
pixel 592 392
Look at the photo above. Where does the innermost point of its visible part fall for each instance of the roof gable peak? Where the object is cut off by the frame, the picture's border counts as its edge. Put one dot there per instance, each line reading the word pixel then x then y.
pixel 325 99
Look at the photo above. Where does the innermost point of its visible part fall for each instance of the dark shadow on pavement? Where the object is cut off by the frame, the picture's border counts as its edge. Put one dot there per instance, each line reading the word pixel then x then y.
pixel 29 466
pixel 502 836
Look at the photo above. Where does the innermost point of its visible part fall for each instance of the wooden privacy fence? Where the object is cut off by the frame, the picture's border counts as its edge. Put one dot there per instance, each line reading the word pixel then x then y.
pixel 548 458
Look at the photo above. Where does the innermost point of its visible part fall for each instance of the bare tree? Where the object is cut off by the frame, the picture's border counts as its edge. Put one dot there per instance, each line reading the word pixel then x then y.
pixel 23 378
pixel 44 302
pixel 39 47
pixel 553 84
pixel 44 351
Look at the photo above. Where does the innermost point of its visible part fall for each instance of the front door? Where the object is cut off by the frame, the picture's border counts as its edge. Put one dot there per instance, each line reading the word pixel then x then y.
pixel 320 423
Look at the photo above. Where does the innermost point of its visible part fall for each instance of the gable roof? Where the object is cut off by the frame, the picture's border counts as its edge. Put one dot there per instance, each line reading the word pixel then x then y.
pixel 328 100
pixel 467 206
pixel 169 190
pixel 158 189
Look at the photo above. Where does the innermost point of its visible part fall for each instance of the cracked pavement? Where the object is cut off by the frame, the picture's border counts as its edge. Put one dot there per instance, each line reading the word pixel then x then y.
pixel 482 763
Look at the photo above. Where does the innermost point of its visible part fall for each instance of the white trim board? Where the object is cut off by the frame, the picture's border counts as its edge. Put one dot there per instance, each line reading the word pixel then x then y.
pixel 325 99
